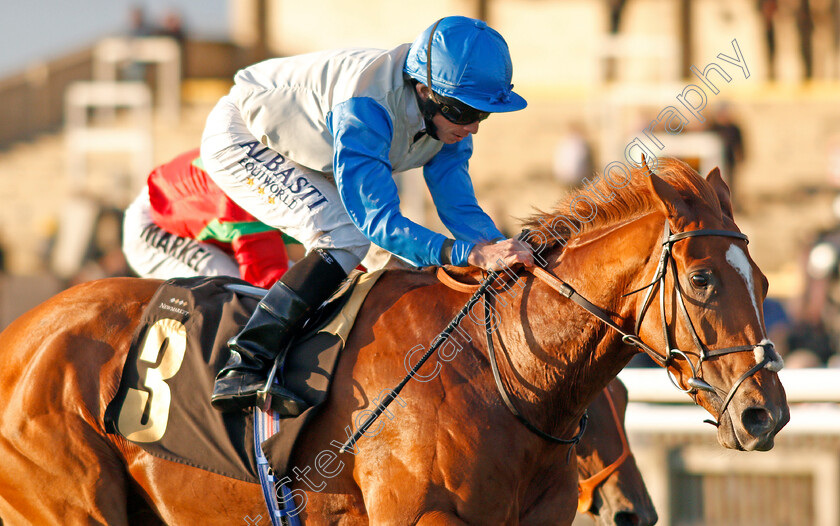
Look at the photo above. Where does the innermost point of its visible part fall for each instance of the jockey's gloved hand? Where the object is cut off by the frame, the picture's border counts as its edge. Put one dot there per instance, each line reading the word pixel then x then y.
pixel 505 253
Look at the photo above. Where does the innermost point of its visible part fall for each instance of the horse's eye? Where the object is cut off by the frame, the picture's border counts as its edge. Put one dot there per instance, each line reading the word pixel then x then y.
pixel 699 280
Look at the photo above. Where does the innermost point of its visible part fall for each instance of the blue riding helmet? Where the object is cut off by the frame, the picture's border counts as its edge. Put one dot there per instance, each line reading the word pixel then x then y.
pixel 470 63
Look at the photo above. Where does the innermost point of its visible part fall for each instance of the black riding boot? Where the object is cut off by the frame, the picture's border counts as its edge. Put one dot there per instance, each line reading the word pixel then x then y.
pixel 253 351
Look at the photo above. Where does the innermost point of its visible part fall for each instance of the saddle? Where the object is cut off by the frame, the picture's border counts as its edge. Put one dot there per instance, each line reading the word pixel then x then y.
pixel 180 344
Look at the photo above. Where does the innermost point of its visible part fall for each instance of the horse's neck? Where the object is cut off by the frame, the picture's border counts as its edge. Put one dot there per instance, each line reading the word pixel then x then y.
pixel 563 355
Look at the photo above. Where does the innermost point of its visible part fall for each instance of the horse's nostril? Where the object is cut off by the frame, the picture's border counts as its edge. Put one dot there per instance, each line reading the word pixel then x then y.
pixel 757 421
pixel 626 518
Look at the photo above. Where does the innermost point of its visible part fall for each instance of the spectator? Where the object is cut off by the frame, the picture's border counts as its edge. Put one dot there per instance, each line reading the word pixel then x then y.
pixel 805 24
pixel 138 24
pixel 573 157
pixel 802 359
pixel 834 14
pixel 172 26
pixel 729 132
pixel 133 70
pixel 768 9
pixel 615 7
pixel 778 324
pixel 816 323
pixel 104 258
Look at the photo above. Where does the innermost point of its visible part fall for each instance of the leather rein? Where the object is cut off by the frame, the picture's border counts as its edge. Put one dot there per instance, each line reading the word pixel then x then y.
pixel 452 283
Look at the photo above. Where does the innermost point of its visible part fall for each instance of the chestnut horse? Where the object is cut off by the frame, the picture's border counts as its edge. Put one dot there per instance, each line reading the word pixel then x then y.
pixel 614 494
pixel 449 451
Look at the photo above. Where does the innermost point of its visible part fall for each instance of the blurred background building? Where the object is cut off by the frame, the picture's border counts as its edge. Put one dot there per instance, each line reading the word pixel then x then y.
pixel 92 97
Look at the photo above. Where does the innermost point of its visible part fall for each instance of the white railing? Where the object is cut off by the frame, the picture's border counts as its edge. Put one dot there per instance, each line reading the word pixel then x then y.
pixel 801 385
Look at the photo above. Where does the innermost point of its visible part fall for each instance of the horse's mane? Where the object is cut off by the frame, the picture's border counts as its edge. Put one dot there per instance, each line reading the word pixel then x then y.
pixel 629 202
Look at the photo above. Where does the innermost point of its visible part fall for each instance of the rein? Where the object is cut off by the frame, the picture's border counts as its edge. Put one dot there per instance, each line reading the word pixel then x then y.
pixel 491 352
pixel 586 488
pixel 392 394
pixel 454 284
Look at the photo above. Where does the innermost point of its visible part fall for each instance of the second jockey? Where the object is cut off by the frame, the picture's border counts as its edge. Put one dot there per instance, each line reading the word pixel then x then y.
pixel 182 224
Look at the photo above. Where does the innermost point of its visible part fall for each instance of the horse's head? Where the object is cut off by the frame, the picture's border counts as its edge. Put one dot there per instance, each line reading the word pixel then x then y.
pixel 660 260
pixel 702 310
pixel 611 488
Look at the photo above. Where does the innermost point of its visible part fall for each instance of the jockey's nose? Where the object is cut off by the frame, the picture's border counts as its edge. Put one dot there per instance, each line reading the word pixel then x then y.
pixel 472 127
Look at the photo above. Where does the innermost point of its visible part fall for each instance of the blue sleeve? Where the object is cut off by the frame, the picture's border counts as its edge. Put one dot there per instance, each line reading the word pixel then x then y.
pixel 362 132
pixel 449 183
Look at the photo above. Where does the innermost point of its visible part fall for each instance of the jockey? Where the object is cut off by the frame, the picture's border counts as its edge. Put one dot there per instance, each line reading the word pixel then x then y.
pixel 308 145
pixel 182 224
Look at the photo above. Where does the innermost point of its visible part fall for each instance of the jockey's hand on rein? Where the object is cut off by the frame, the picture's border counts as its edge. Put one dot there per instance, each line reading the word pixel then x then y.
pixel 495 256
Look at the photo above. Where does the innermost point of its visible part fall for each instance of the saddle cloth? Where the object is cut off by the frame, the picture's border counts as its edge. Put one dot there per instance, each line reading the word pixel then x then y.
pixel 163 401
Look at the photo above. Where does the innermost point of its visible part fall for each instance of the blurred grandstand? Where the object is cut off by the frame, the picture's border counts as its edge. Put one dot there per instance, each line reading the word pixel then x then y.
pixel 77 136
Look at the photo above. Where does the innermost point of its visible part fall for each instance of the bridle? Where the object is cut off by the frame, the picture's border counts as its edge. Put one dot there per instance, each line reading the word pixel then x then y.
pixel 695 382
pixel 586 488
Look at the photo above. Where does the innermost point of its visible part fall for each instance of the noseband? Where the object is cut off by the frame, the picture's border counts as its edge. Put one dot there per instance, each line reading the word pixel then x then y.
pixel 695 383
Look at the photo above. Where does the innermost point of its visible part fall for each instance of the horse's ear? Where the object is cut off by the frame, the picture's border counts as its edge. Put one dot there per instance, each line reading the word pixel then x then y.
pixel 722 190
pixel 670 201
pixel 646 170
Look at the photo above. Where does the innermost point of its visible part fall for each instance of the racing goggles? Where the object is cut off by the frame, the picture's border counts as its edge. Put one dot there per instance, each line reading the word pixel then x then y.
pixel 456 111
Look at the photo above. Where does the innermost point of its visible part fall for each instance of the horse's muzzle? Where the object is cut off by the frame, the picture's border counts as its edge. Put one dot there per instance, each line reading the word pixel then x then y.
pixel 758 428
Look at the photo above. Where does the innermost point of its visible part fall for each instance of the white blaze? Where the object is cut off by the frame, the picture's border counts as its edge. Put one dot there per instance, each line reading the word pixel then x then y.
pixel 736 257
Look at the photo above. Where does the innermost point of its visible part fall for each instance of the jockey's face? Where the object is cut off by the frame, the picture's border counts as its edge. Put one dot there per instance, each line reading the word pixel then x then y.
pixel 449 132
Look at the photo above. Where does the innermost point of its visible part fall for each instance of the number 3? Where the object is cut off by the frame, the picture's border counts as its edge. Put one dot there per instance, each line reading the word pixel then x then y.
pixel 165 336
